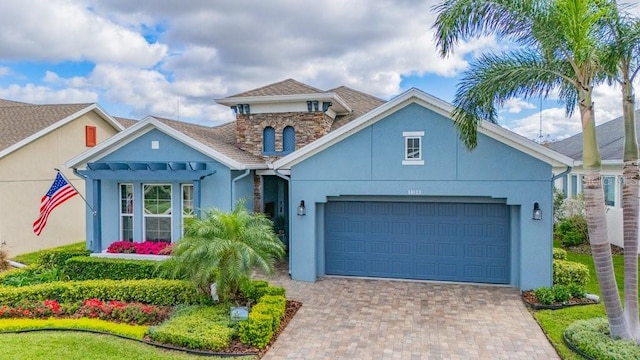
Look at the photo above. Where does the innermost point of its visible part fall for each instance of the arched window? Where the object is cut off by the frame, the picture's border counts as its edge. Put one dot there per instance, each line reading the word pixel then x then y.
pixel 288 139
pixel 268 140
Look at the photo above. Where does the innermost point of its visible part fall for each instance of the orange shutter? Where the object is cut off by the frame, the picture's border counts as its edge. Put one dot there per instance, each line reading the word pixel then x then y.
pixel 90 136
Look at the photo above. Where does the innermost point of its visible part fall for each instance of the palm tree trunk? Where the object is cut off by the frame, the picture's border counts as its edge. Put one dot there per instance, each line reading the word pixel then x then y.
pixel 597 221
pixel 630 210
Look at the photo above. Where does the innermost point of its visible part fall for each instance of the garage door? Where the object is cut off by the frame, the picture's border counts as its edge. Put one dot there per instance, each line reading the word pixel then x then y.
pixel 428 241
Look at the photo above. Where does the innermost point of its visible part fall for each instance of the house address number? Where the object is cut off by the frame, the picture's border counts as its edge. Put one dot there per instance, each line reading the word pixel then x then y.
pixel 414 192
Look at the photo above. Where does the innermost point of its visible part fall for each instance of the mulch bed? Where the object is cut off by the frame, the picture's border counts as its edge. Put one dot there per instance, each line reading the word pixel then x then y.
pixel 531 300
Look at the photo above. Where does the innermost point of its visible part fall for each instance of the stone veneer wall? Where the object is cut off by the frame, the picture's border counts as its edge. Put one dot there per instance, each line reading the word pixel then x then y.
pixel 308 126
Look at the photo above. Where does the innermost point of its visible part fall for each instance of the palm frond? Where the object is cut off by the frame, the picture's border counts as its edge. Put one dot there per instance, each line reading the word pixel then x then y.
pixel 493 79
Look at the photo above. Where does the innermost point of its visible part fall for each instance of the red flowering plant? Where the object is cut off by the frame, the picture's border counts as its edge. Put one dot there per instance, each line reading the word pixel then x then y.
pixel 132 313
pixel 117 311
pixel 33 310
pixel 146 248
pixel 123 247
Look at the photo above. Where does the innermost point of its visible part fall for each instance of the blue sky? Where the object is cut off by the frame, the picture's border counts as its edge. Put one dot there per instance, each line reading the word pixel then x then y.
pixel 172 59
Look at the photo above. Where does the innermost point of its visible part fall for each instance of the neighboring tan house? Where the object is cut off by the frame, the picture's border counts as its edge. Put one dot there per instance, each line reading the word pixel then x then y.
pixel 365 187
pixel 34 140
pixel 610 136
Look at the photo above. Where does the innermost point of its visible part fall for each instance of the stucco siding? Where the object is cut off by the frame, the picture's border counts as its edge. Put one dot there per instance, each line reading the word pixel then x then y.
pixel 494 172
pixel 215 189
pixel 26 175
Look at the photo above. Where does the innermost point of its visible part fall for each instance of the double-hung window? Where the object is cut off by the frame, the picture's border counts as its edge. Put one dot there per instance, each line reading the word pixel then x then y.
pixel 413 148
pixel 157 212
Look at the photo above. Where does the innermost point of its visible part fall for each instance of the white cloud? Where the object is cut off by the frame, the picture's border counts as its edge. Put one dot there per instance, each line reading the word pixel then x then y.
pixel 37 94
pixel 4 70
pixel 515 106
pixel 57 30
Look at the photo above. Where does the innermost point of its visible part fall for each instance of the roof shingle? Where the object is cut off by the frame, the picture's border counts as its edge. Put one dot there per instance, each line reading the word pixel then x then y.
pixel 285 87
pixel 610 136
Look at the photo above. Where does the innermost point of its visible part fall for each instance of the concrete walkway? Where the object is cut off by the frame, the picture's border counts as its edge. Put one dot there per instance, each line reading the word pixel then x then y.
pixel 379 319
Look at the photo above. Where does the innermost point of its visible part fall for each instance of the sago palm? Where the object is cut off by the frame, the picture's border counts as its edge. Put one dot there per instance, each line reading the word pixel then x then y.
pixel 224 248
pixel 559 48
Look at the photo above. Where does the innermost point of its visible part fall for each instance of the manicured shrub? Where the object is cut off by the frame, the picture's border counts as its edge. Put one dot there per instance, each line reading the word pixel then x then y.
pixel 154 292
pixel 570 272
pixel 30 310
pixel 545 295
pixel 56 258
pixel 119 311
pixel 592 338
pixel 253 290
pixel 559 254
pixel 95 268
pixel 561 293
pixel 572 230
pixel 196 327
pixel 264 320
pixel 257 330
pixel 576 291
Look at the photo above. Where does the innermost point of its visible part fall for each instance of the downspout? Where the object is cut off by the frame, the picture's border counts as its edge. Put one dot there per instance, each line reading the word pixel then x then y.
pixel 555 177
pixel 288 179
pixel 233 186
pixel 197 193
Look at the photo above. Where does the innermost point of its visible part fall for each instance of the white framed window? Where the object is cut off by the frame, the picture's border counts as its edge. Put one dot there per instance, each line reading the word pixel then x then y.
pixel 413 148
pixel 187 203
pixel 157 212
pixel 126 212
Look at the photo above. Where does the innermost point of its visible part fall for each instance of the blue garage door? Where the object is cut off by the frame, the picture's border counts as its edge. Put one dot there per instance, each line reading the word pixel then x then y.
pixel 427 241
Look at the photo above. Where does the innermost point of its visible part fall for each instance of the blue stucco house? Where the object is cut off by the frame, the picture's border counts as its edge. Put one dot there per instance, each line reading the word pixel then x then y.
pixel 364 187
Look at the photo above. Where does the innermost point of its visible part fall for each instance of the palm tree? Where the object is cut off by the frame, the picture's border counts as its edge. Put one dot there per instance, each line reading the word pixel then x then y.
pixel 623 66
pixel 559 47
pixel 224 248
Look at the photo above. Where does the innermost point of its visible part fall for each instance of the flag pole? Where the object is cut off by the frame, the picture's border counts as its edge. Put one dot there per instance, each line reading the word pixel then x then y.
pixel 74 188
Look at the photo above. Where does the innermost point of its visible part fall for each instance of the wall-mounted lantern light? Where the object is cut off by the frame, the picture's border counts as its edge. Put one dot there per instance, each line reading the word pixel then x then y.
pixel 301 209
pixel 537 213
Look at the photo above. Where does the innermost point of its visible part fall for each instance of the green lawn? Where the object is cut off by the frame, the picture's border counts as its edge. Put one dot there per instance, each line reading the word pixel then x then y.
pixel 554 322
pixel 76 345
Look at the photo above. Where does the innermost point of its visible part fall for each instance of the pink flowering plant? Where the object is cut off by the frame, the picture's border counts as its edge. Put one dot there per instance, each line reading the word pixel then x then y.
pixel 116 311
pixel 146 248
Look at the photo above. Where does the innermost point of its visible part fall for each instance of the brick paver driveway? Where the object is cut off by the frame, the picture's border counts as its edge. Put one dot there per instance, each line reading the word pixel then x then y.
pixel 379 319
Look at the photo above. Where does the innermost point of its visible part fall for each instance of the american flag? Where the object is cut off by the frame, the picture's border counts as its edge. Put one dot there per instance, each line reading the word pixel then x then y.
pixel 59 192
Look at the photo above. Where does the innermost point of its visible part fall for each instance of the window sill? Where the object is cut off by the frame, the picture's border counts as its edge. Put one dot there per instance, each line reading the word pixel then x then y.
pixel 412 162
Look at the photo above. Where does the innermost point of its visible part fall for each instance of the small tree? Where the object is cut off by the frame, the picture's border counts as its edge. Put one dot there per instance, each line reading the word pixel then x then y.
pixel 224 248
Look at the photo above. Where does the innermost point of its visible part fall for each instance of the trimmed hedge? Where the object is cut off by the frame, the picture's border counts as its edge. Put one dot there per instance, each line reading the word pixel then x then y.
pixel 153 291
pixel 570 272
pixel 132 331
pixel 592 338
pixel 57 258
pixel 95 268
pixel 196 327
pixel 559 254
pixel 253 290
pixel 263 322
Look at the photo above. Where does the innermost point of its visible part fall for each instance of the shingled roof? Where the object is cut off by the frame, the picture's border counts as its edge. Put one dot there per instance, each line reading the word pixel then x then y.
pixel 19 121
pixel 219 138
pixel 285 87
pixel 610 136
